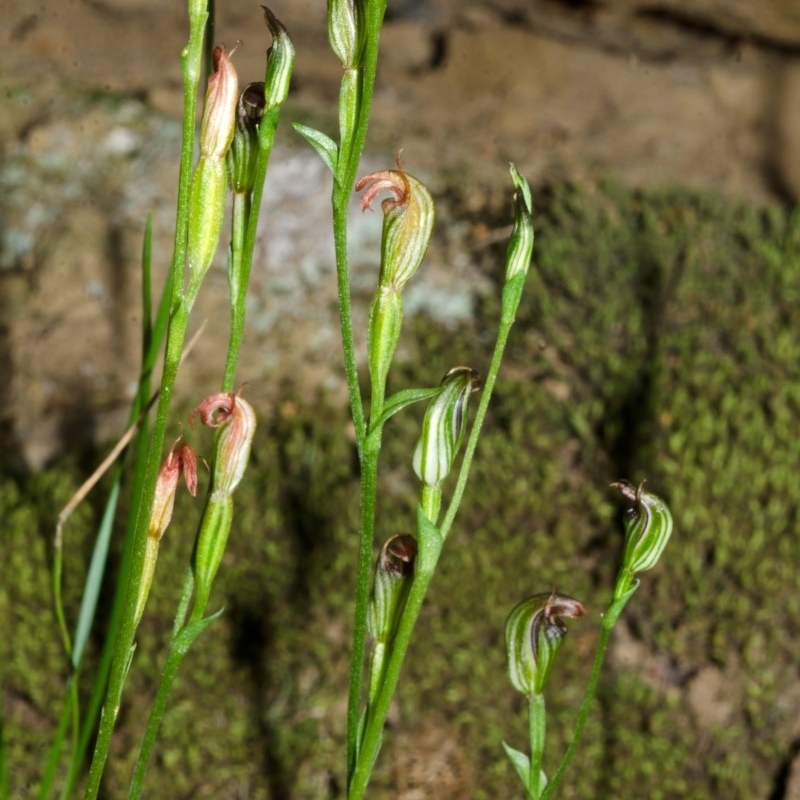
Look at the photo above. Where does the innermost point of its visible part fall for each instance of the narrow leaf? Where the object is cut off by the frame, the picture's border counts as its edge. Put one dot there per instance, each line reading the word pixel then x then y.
pixel 187 636
pixel 322 143
pixel 397 402
pixel 521 762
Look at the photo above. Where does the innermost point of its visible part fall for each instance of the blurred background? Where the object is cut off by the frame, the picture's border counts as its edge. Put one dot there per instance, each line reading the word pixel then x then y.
pixel 702 95
pixel 660 341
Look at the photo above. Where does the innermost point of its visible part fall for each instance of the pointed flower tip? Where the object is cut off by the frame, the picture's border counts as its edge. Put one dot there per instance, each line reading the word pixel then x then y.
pixel 394 571
pixel 280 61
pixel 534 631
pixel 407 224
pixel 521 186
pixel 219 112
pixel 242 158
pixel 520 245
pixel 444 426
pixel 398 555
pixel 648 527
pixel 181 460
pixel 185 455
pixel 236 420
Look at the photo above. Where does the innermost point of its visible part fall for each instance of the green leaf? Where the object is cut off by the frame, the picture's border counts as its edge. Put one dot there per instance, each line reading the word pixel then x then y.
pixel 521 762
pixel 187 636
pixel 397 402
pixel 322 143
pixel 430 542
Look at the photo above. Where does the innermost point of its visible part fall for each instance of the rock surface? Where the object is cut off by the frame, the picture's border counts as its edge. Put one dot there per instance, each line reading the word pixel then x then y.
pixel 703 94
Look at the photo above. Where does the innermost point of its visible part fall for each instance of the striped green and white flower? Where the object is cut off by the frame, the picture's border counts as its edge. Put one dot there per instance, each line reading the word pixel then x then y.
pixel 444 426
pixel 534 631
pixel 345 31
pixel 648 526
pixel 280 62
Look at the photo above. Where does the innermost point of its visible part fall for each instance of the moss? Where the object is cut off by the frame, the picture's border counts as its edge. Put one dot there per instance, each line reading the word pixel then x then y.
pixel 657 341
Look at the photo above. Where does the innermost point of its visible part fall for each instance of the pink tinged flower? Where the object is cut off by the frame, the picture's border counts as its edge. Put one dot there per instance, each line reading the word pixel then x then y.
pixel 236 421
pixel 219 112
pixel 180 461
pixel 407 224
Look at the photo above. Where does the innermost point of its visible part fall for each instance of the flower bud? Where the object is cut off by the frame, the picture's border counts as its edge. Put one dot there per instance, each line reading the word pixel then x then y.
pixel 383 333
pixel 219 112
pixel 444 425
pixel 343 31
pixel 236 421
pixel 206 212
pixel 209 184
pixel 242 158
pixel 407 222
pixel 648 526
pixel 181 460
pixel 280 62
pixel 393 574
pixel 520 245
pixel 534 631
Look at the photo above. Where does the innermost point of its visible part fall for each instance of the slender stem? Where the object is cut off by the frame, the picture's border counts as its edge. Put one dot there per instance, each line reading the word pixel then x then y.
pixel 349 158
pixel 123 649
pixel 340 201
pixel 356 105
pixel 369 483
pixel 430 549
pixel 106 655
pixel 173 661
pixel 67 716
pixel 472 442
pixel 238 278
pixel 377 713
pixel 71 707
pixel 246 210
pixel 537 723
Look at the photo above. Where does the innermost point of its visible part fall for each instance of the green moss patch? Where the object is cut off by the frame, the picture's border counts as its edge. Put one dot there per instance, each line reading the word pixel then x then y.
pixel 658 340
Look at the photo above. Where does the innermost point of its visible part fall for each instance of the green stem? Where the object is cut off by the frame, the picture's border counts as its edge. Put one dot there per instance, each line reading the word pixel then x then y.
pixel 243 241
pixel 537 723
pixel 175 656
pixel 475 432
pixel 431 501
pixel 607 628
pixel 346 168
pixel 123 648
pixel 69 713
pixel 430 549
pixel 369 484
pixel 71 710
pixel 191 58
pixel 238 278
pixel 340 201
pixel 106 655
